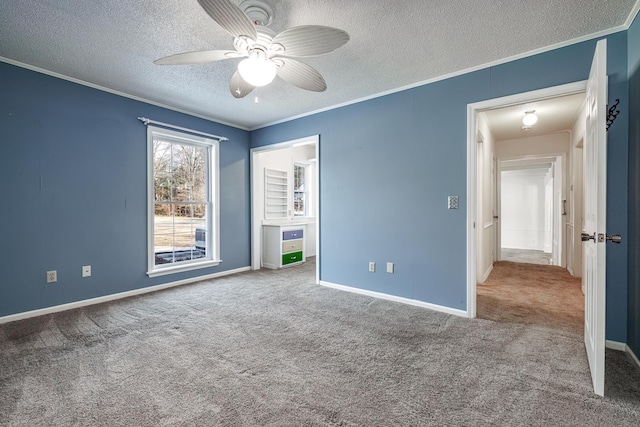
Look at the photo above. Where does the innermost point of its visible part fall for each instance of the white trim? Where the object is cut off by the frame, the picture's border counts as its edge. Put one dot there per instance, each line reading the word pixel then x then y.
pixel 620 346
pixel 472 154
pixel 117 92
pixel 486 274
pixel 394 298
pixel 495 63
pixel 633 356
pixel 113 297
pixel 256 223
pixel 615 345
pixel 599 34
pixel 472 208
pixel 181 268
pixel 212 146
pixel 632 15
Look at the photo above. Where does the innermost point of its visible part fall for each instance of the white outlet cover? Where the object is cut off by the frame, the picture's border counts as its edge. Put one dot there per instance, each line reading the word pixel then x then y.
pixel 372 267
pixel 86 270
pixel 389 267
pixel 52 276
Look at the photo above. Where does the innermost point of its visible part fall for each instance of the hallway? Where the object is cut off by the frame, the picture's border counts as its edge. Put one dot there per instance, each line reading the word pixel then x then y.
pixel 532 294
pixel 525 256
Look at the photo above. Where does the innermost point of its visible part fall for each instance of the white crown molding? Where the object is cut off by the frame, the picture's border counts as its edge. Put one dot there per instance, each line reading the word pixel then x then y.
pixel 116 92
pixel 632 15
pixel 530 53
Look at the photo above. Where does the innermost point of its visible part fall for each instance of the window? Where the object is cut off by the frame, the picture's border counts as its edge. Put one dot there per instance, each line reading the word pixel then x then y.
pixel 182 201
pixel 299 193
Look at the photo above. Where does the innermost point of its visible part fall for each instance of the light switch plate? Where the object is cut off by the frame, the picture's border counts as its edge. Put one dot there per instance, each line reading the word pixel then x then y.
pixel 86 270
pixel 452 202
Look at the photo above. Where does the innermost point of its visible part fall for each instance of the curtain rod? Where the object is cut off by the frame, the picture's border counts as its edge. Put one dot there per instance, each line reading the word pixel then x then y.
pixel 149 121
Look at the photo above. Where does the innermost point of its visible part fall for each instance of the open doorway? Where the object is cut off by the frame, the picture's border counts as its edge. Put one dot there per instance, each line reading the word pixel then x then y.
pixel 285 196
pixel 525 180
pixel 532 211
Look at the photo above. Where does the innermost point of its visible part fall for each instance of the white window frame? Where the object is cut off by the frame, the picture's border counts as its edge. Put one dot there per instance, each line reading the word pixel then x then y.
pixel 305 193
pixel 212 258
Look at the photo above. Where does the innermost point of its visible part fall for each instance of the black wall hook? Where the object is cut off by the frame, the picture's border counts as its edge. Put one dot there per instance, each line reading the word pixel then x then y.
pixel 612 113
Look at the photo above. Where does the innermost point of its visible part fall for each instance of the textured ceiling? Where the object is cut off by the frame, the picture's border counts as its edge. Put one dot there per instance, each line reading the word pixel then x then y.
pixel 554 115
pixel 113 43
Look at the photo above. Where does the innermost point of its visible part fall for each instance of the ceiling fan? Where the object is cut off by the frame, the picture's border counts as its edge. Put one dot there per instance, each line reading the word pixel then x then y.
pixel 266 53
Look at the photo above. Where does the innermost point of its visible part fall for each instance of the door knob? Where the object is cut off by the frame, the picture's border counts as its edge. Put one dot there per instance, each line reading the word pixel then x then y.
pixel 586 237
pixel 615 238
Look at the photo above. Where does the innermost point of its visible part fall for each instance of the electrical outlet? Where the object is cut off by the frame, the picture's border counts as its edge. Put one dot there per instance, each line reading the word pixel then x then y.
pixel 52 276
pixel 389 267
pixel 372 267
pixel 86 270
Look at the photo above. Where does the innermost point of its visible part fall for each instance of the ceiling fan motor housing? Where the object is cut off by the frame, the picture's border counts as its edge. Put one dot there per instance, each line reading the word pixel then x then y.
pixel 258 11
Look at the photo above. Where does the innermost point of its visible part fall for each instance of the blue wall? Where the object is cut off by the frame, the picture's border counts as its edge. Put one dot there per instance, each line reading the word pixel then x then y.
pixel 387 166
pixel 73 184
pixel 73 191
pixel 633 335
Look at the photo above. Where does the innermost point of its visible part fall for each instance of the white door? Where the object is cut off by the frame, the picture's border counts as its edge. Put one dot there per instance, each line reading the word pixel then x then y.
pixel 595 216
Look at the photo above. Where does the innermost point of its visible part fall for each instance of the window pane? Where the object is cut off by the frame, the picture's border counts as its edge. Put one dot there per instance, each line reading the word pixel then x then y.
pixel 162 186
pixel 162 170
pixel 298 191
pixel 184 229
pixel 163 233
pixel 180 235
pixel 189 173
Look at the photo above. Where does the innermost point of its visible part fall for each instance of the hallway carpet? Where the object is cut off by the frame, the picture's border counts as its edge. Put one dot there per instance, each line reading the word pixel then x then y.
pixel 526 256
pixel 532 294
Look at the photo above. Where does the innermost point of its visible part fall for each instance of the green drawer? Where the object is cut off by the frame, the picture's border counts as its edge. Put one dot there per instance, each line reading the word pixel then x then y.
pixel 292 257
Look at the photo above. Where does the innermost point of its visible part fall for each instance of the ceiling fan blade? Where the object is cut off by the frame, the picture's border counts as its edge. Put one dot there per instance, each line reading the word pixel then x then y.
pixel 301 75
pixel 230 17
pixel 198 57
pixel 238 87
pixel 310 40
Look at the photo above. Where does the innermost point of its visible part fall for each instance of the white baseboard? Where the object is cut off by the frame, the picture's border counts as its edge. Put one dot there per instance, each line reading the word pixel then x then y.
pixel 486 274
pixel 620 346
pixel 615 345
pixel 633 356
pixel 112 297
pixel 435 307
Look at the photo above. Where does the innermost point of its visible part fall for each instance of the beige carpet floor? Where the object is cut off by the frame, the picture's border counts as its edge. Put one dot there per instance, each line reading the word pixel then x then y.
pixel 541 295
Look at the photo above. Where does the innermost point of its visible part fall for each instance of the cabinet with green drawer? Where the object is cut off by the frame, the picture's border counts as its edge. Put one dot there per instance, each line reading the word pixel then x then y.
pixel 282 246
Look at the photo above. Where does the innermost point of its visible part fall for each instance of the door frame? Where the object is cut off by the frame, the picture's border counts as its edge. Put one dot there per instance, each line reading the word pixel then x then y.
pixel 257 194
pixel 472 161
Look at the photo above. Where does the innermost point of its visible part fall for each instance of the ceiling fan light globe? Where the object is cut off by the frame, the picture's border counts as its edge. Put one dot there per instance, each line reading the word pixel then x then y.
pixel 530 119
pixel 257 71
